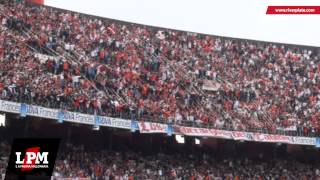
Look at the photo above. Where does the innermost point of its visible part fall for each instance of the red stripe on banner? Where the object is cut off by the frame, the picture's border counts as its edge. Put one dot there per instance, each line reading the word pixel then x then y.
pixel 293 10
pixel 39 2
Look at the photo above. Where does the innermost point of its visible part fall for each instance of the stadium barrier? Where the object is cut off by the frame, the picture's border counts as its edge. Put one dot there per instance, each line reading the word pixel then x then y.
pixel 150 127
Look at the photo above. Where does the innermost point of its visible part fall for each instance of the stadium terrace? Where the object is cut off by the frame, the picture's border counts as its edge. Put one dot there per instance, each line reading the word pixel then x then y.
pixel 131 101
pixel 65 60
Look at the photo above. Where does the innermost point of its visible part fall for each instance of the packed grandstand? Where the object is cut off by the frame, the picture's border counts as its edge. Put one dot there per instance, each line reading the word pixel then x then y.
pixel 127 70
pixel 79 163
pixel 73 62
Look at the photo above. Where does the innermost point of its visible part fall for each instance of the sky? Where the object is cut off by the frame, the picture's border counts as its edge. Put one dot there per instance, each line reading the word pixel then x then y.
pixel 232 18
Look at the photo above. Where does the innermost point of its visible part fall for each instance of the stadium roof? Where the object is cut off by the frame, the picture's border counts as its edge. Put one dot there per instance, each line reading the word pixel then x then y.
pixel 232 18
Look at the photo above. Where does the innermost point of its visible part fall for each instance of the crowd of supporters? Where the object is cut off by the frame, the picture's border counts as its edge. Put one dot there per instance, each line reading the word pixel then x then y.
pixel 67 60
pixel 78 162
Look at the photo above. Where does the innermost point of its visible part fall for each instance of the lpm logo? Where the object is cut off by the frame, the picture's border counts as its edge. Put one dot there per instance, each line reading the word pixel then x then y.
pixel 32 159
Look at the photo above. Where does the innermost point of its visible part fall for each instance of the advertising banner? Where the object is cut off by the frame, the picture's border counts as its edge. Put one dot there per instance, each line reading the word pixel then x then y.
pixel 148 127
pixel 304 140
pixel 115 122
pixel 191 131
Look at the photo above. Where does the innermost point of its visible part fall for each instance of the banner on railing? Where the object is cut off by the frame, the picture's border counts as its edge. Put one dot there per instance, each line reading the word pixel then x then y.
pixel 79 117
pixel 42 112
pixel 241 136
pixel 149 127
pixel 192 131
pixel 75 117
pixel 115 122
pixel 8 106
pixel 259 137
pixel 303 140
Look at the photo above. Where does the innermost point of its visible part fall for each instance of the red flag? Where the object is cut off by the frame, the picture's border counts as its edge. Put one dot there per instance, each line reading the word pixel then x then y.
pixel 39 2
pixel 111 30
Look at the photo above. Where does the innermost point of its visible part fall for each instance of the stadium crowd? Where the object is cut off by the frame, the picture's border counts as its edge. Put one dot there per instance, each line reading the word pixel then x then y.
pixel 61 59
pixel 77 162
